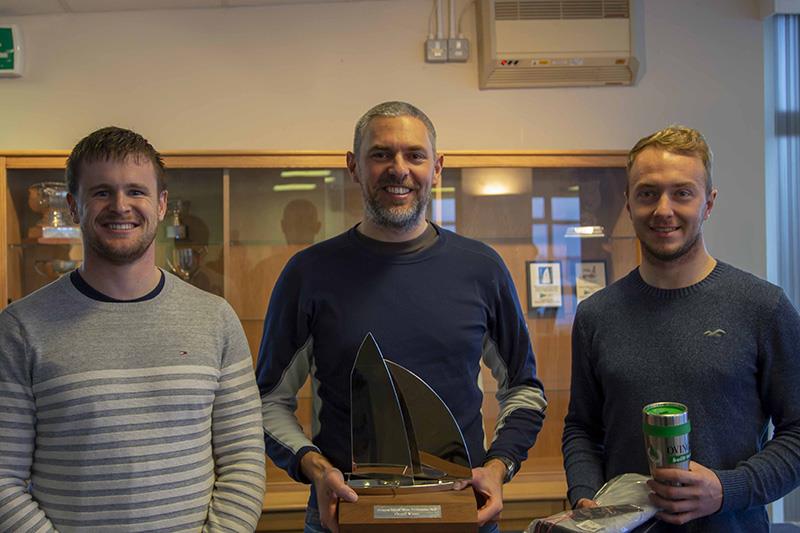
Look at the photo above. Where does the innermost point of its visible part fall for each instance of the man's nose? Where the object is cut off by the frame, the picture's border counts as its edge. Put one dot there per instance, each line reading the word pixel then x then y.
pixel 120 202
pixel 399 166
pixel 664 205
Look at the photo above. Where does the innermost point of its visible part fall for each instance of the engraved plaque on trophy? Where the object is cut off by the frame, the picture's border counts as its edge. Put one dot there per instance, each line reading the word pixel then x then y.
pixel 49 199
pixel 407 453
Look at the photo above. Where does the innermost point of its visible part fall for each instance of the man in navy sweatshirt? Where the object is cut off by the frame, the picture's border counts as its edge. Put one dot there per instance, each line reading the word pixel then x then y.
pixel 436 302
pixel 685 327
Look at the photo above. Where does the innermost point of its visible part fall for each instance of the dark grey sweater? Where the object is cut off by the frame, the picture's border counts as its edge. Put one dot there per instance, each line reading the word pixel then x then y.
pixel 727 347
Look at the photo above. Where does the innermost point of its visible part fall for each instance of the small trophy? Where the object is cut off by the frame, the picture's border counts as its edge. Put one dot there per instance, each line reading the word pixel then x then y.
pixel 407 452
pixel 49 198
pixel 185 261
pixel 175 228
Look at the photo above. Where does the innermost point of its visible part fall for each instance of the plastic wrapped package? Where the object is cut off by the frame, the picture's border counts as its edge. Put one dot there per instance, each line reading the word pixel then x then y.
pixel 623 506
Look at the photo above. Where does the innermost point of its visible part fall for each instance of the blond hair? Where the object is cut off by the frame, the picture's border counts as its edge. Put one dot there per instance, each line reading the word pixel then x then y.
pixel 677 139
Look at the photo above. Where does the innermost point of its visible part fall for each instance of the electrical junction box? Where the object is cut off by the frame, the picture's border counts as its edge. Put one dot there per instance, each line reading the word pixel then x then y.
pixel 10 52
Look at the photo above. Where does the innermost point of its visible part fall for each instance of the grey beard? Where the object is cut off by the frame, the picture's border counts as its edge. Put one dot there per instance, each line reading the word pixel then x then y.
pixel 396 220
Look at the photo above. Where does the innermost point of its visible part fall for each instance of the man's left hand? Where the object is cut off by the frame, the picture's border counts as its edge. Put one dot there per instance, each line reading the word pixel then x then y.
pixel 700 493
pixel 488 481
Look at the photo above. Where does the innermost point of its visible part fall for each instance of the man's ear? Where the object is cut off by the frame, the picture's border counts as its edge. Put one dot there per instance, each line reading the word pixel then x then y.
pixel 73 208
pixel 710 199
pixel 437 169
pixel 627 204
pixel 351 166
pixel 162 204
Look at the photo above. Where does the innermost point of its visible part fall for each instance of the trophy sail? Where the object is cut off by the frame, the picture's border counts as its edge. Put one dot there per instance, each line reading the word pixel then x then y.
pixel 439 441
pixel 408 453
pixel 378 432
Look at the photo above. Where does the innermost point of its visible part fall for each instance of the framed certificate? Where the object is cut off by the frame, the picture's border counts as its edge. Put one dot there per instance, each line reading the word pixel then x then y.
pixel 544 284
pixel 590 277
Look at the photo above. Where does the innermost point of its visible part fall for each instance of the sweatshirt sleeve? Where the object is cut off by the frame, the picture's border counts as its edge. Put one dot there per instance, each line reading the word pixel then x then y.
pixel 507 352
pixel 775 470
pixel 284 363
pixel 582 440
pixel 19 511
pixel 238 446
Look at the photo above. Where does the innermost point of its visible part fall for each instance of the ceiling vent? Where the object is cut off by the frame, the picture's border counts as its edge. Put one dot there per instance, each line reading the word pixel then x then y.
pixel 554 43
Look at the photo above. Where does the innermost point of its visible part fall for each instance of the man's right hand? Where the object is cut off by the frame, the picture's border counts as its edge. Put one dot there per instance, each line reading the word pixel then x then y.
pixel 330 487
pixel 585 502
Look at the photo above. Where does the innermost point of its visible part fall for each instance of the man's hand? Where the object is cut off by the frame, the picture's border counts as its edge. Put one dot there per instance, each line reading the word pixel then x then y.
pixel 330 487
pixel 487 480
pixel 584 503
pixel 700 493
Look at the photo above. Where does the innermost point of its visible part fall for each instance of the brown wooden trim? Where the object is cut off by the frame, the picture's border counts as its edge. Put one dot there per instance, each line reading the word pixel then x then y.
pixel 304 159
pixel 226 230
pixel 36 162
pixel 533 160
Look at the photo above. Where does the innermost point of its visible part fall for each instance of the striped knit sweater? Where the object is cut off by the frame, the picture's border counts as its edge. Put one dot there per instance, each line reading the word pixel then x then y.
pixel 127 417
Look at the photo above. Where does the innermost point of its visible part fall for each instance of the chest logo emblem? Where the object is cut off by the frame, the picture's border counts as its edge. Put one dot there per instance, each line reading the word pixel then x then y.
pixel 716 333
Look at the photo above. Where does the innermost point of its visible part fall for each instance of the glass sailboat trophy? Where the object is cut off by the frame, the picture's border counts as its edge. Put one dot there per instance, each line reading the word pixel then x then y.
pixel 404 437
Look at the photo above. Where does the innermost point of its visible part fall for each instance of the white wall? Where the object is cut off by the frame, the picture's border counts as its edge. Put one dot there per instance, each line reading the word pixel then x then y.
pixel 298 76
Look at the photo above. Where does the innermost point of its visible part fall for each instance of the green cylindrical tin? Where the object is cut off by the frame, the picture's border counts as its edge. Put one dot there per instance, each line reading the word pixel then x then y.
pixel 666 430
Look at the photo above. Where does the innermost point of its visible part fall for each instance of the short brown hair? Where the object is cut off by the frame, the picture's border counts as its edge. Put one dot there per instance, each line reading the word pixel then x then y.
pixel 112 144
pixel 677 140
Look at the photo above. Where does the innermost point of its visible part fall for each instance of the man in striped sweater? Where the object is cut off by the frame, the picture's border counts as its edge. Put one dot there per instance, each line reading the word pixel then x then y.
pixel 129 401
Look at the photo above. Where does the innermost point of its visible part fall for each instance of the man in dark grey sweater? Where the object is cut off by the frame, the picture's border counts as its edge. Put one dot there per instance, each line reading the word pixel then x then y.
pixel 685 327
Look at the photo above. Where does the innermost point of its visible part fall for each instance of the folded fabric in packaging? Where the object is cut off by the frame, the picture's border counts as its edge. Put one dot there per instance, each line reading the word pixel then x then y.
pixel 623 505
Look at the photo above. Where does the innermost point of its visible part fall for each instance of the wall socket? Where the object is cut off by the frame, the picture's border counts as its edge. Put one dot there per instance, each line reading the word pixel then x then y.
pixel 457 50
pixel 436 50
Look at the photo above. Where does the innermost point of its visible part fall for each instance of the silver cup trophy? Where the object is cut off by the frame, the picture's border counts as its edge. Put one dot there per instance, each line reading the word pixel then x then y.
pixel 49 198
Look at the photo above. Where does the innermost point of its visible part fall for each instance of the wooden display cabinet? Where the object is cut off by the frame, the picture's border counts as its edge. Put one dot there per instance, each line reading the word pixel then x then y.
pixel 250 212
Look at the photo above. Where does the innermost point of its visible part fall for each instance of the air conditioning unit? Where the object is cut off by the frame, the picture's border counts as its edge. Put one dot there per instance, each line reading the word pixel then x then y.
pixel 554 43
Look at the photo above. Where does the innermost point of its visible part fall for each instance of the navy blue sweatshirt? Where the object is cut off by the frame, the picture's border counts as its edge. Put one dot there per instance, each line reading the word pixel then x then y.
pixel 437 312
pixel 729 348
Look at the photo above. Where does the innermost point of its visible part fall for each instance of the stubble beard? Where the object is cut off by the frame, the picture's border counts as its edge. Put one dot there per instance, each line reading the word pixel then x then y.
pixel 121 255
pixel 397 218
pixel 681 253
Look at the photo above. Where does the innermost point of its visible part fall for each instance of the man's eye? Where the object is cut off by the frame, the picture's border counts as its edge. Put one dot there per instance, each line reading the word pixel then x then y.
pixel 136 193
pixel 379 155
pixel 684 193
pixel 645 194
pixel 418 156
pixel 100 194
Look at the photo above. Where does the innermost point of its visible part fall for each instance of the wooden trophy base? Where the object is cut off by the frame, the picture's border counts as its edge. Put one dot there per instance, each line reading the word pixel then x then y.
pixel 451 511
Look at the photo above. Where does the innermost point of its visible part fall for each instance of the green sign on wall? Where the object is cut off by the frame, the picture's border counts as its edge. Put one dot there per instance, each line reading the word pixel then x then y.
pixel 10 52
pixel 6 49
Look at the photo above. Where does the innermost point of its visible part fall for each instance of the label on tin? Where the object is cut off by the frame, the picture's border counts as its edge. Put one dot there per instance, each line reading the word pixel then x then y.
pixel 671 455
pixel 399 512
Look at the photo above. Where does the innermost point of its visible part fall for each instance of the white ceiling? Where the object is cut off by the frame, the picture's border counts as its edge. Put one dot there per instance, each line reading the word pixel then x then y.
pixel 43 7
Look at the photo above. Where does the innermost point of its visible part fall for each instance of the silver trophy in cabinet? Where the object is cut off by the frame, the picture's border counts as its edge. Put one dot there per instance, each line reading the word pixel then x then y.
pixel 183 259
pixel 49 199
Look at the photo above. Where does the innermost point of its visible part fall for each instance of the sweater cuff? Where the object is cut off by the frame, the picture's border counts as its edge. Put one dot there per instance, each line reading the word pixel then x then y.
pixel 297 472
pixel 735 490
pixel 575 494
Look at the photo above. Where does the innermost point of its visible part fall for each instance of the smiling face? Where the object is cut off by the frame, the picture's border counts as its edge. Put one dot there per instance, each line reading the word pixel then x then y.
pixel 668 203
pixel 396 168
pixel 118 207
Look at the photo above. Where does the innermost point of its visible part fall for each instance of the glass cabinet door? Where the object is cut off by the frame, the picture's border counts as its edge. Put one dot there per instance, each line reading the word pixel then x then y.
pixel 233 223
